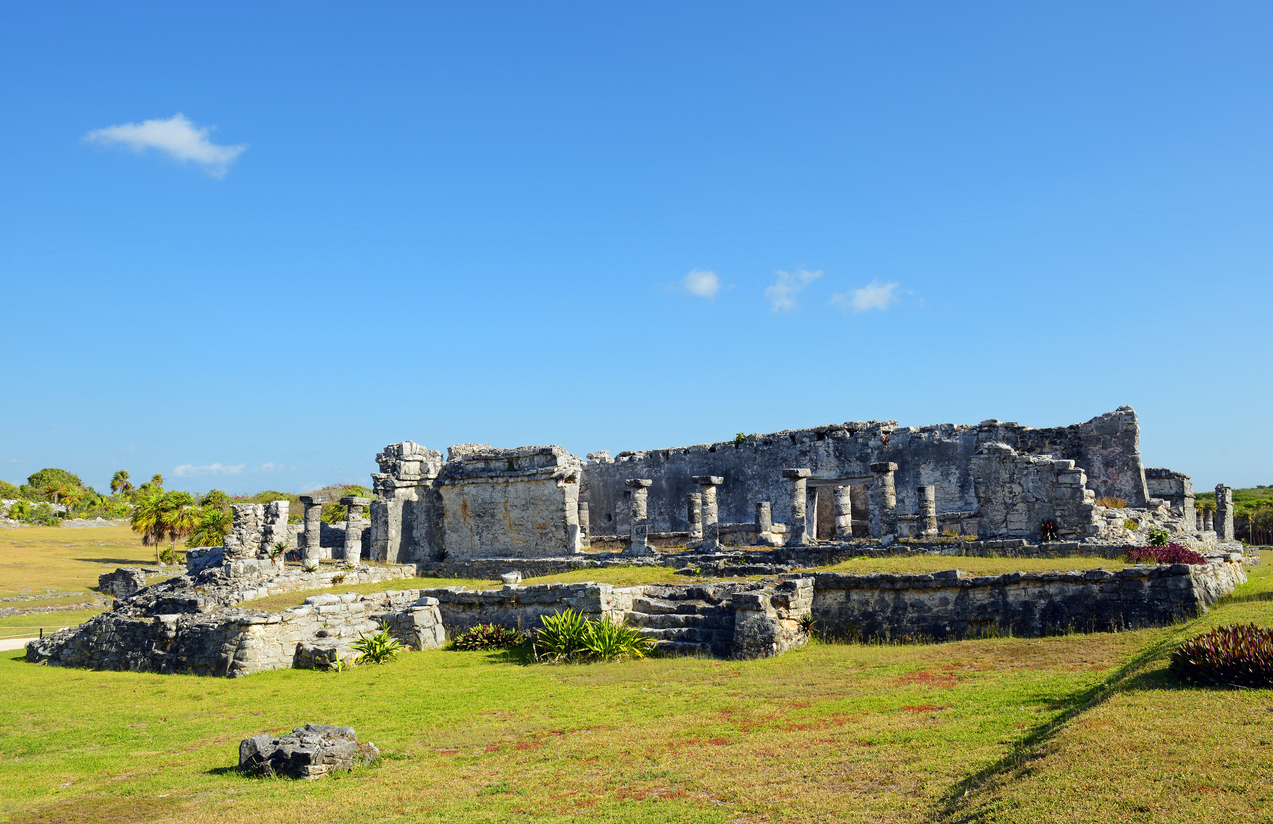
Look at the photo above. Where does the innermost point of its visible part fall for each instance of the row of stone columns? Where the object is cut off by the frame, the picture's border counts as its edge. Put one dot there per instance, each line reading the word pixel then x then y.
pixel 1221 522
pixel 704 513
pixel 311 547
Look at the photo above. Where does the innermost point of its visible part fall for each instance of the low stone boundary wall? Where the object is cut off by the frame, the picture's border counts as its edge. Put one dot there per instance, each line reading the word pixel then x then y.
pixel 952 605
pixel 521 607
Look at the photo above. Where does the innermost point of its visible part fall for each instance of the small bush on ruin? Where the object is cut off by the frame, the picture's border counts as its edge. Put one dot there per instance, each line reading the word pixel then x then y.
pixel 1158 537
pixel 378 648
pixel 488 636
pixel 1237 655
pixel 740 439
pixel 1170 554
pixel 1131 524
pixel 1111 502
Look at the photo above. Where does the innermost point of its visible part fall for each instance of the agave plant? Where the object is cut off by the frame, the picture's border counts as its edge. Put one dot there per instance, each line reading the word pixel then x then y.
pixel 378 648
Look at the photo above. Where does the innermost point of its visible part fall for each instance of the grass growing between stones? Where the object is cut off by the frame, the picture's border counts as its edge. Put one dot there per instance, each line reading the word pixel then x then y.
pixel 1067 729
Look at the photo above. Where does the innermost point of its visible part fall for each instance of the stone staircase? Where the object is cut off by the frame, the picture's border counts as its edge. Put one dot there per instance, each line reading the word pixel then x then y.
pixel 687 620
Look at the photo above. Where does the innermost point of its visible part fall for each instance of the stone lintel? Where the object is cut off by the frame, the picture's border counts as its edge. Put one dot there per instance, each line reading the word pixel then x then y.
pixel 638 483
pixel 709 480
pixel 884 466
pixel 355 501
pixel 799 473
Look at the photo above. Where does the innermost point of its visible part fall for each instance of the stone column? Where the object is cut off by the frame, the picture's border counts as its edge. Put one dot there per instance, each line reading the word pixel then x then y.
pixel 927 524
pixel 695 513
pixel 711 514
pixel 354 527
pixel 844 513
pixel 1224 513
pixel 585 519
pixel 764 521
pixel 1208 521
pixel 1198 519
pixel 312 550
pixel 797 530
pixel 884 502
pixel 639 523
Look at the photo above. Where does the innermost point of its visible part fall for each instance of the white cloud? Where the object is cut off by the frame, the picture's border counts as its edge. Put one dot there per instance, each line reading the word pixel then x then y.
pixel 782 293
pixel 190 470
pixel 701 282
pixel 874 295
pixel 268 466
pixel 176 136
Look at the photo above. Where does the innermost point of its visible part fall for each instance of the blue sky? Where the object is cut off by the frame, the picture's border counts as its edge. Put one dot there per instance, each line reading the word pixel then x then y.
pixel 624 227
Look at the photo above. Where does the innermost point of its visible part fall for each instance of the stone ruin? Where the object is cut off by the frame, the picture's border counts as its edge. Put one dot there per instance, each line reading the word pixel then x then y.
pixel 842 491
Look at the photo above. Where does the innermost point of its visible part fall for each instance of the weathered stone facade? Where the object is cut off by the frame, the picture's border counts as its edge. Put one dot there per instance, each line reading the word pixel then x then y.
pixel 1106 448
pixel 952 605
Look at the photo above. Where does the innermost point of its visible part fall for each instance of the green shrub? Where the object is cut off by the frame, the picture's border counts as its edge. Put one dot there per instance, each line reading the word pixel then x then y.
pixel 609 640
pixel 1236 655
pixel 1158 537
pixel 740 438
pixel 561 635
pixel 41 515
pixel 567 636
pixel 1131 524
pixel 488 636
pixel 378 648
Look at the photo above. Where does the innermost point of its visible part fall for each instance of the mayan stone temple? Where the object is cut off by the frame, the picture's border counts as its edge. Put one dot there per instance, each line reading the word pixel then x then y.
pixel 780 506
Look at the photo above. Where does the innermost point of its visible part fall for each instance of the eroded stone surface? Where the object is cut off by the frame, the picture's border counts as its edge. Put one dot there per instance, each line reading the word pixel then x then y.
pixel 308 752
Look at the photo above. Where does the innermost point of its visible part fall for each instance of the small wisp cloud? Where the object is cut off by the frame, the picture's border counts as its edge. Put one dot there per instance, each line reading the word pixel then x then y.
pixel 701 282
pixel 176 137
pixel 191 471
pixel 782 293
pixel 874 295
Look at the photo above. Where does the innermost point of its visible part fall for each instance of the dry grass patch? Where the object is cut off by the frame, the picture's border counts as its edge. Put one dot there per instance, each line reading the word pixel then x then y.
pixel 37 559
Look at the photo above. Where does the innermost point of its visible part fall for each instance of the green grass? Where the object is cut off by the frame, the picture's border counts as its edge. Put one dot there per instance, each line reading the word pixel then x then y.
pixel 1078 728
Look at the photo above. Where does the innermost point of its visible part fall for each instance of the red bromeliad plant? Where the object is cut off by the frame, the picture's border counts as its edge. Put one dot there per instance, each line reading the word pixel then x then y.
pixel 1239 655
pixel 1170 554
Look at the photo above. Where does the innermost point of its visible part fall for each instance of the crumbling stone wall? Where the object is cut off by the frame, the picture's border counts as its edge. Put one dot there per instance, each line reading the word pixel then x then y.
pixel 952 605
pixel 1176 489
pixel 236 642
pixel 511 503
pixel 1016 493
pixel 1106 448
pixel 521 607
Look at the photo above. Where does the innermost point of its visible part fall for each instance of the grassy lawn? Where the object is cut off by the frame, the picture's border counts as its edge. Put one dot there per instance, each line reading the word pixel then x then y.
pixel 1080 728
pixel 972 565
pixel 36 559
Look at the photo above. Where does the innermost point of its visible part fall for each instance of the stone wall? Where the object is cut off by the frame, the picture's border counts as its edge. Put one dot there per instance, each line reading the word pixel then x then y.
pixel 952 605
pixel 1176 489
pixel 236 642
pixel 1016 493
pixel 521 607
pixel 1106 448
pixel 511 503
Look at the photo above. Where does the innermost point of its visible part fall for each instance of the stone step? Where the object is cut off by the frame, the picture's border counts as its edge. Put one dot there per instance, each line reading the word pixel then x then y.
pixel 654 606
pixel 683 649
pixel 692 635
pixel 664 620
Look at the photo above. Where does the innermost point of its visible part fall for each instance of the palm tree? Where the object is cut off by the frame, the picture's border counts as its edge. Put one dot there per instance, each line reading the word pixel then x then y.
pixel 214 524
pixel 180 516
pixel 72 497
pixel 157 480
pixel 147 518
pixel 120 483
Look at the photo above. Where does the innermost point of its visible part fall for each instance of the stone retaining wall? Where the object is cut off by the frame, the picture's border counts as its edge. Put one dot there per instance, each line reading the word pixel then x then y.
pixel 952 605
pixel 521 607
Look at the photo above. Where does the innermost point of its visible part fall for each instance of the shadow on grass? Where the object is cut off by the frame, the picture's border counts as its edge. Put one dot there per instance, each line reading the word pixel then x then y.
pixel 1130 676
pixel 121 561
